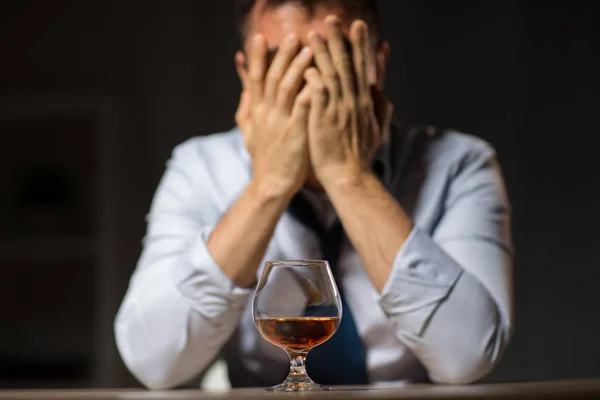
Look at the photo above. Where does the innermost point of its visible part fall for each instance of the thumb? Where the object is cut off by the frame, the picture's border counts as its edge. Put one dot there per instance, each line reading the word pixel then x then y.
pixel 383 109
pixel 243 111
pixel 243 114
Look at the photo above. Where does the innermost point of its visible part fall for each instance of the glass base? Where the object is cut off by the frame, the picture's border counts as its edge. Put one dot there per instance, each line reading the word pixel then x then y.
pixel 298 385
pixel 297 379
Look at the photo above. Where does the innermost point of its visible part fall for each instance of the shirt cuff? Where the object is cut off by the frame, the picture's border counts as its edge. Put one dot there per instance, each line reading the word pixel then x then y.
pixel 422 276
pixel 201 280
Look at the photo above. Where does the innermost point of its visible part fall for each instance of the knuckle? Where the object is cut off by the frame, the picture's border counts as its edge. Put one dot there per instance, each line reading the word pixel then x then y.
pixel 273 80
pixel 291 75
pixel 342 114
pixel 321 94
pixel 270 79
pixel 259 112
pixel 330 75
pixel 255 76
pixel 343 61
pixel 316 84
pixel 248 143
pixel 301 102
pixel 311 73
pixel 320 88
pixel 333 85
pixel 331 114
pixel 350 103
pixel 285 87
pixel 298 63
pixel 271 74
pixel 247 138
pixel 365 103
pixel 350 87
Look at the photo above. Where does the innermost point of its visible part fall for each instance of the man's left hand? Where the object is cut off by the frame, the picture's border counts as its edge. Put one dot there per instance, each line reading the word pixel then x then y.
pixel 344 131
pixel 347 123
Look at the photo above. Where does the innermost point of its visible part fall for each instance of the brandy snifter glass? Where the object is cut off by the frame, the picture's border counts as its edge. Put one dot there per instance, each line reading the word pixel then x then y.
pixel 296 307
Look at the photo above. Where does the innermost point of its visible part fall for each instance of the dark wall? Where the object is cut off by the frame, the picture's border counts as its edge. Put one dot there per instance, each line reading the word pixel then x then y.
pixel 521 74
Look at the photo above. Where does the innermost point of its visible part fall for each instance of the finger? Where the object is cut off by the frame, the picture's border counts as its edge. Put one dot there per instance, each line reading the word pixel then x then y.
pixel 359 40
pixel 240 66
pixel 371 68
pixel 280 64
pixel 319 91
pixel 324 63
pixel 293 78
pixel 379 59
pixel 340 55
pixel 301 106
pixel 256 68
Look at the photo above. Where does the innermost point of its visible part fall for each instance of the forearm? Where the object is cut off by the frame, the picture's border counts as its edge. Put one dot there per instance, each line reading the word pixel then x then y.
pixel 178 312
pixel 460 338
pixel 166 342
pixel 240 239
pixel 375 223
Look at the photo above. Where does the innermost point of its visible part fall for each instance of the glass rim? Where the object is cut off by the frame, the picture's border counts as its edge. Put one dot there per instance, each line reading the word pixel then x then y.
pixel 297 263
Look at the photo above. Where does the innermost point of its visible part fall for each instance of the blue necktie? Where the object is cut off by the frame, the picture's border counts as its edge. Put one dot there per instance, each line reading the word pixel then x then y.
pixel 341 360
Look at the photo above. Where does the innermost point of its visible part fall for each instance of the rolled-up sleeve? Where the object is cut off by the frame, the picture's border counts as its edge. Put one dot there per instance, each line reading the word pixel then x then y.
pixel 180 307
pixel 449 294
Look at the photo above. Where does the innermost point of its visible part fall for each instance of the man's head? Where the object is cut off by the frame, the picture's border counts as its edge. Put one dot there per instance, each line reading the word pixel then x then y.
pixel 247 10
pixel 275 19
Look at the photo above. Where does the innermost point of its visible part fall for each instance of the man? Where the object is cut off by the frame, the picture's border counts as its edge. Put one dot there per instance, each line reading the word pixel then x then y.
pixel 426 266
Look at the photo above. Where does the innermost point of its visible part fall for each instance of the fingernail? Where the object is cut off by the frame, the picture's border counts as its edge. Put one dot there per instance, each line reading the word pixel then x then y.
pixel 333 20
pixel 364 29
pixel 257 39
pixel 306 52
pixel 313 36
pixel 291 39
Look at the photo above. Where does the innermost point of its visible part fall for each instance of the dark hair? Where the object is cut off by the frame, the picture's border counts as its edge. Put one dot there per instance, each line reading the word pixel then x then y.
pixel 366 10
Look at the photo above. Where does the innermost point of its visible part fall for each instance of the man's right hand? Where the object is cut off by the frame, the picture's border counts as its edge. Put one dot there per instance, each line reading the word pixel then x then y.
pixel 273 116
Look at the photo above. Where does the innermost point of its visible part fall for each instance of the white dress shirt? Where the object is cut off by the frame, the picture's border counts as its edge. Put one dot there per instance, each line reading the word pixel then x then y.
pixel 445 313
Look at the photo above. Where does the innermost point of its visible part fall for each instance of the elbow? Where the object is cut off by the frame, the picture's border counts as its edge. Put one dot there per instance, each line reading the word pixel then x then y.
pixel 467 364
pixel 144 364
pixel 152 379
pixel 155 383
pixel 462 371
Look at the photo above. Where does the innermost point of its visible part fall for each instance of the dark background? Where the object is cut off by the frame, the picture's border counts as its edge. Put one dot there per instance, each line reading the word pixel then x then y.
pixel 101 91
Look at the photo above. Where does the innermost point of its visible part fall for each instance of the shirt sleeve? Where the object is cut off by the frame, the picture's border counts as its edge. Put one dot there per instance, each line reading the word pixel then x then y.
pixel 180 308
pixel 449 294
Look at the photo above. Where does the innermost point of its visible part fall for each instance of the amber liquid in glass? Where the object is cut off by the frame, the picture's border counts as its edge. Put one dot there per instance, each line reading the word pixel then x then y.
pixel 301 333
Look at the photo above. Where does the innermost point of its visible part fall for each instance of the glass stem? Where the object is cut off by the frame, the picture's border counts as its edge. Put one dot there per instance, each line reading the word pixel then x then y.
pixel 297 365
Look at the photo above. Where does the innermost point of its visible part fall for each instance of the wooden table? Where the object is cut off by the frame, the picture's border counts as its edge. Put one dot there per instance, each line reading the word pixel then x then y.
pixel 571 390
